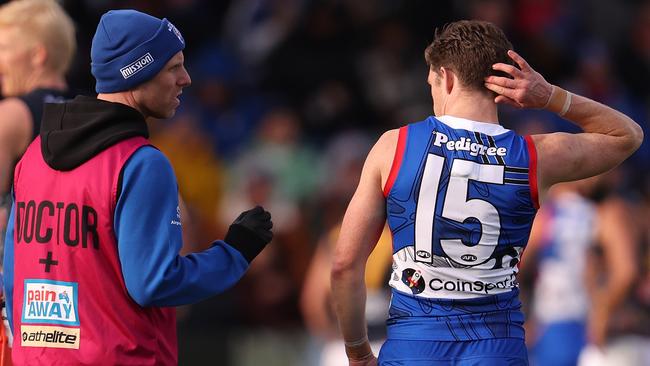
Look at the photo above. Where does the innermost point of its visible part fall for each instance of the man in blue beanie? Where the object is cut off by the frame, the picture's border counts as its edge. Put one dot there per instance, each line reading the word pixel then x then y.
pixel 92 249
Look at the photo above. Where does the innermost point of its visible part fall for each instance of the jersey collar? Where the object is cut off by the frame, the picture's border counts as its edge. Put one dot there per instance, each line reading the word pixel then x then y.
pixel 458 123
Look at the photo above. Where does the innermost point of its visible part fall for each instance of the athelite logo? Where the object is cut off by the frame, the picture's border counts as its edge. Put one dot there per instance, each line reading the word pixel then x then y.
pixel 137 65
pixel 50 337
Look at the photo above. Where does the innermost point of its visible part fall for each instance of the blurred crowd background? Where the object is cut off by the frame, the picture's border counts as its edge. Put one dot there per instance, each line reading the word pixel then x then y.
pixel 287 98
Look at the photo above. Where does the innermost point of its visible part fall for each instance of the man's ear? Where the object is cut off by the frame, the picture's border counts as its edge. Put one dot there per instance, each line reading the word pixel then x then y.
pixel 448 79
pixel 39 55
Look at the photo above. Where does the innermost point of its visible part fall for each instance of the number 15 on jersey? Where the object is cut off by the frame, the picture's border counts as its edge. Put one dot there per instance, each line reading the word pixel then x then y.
pixel 457 207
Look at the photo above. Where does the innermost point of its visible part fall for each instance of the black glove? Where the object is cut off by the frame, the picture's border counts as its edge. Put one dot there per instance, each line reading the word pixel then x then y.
pixel 250 232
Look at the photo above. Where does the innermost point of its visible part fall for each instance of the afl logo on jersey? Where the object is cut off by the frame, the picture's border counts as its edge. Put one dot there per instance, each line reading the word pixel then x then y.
pixel 413 279
pixel 423 254
pixel 468 257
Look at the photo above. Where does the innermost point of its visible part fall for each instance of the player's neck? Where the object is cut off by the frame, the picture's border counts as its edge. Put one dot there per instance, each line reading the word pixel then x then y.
pixel 46 80
pixel 472 106
pixel 123 97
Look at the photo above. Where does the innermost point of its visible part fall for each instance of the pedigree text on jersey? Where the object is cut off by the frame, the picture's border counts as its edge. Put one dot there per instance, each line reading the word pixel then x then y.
pixel 465 144
pixel 56 223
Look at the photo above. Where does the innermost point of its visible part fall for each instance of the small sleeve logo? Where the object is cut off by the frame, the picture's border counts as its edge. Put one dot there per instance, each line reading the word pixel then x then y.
pixel 178 217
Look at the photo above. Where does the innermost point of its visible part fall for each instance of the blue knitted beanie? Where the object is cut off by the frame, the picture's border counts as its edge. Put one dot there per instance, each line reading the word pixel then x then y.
pixel 130 48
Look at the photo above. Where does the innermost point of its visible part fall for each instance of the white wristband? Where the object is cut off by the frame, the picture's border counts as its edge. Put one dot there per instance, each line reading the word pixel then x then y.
pixel 357 343
pixel 567 104
pixel 550 96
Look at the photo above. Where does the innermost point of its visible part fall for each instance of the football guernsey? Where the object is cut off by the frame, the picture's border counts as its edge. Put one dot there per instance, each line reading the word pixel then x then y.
pixel 560 305
pixel 560 294
pixel 461 197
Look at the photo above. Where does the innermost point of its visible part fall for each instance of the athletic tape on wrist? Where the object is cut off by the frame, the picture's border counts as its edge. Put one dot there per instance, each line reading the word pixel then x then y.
pixel 352 348
pixel 367 356
pixel 559 102
pixel 550 96
pixel 357 343
pixel 567 104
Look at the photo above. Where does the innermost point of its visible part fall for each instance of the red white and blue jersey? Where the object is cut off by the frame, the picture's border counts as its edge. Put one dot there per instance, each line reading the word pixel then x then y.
pixel 461 198
pixel 560 293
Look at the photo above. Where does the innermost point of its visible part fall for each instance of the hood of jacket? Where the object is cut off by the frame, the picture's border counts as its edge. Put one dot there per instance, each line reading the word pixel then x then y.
pixel 75 131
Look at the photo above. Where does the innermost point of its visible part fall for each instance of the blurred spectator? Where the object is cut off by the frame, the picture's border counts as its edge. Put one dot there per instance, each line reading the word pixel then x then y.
pixel 545 31
pixel 200 175
pixel 389 70
pixel 255 27
pixel 633 59
pixel 279 172
pixel 498 12
pixel 314 67
pixel 342 161
pixel 289 165
pixel 634 55
pixel 595 78
pixel 228 112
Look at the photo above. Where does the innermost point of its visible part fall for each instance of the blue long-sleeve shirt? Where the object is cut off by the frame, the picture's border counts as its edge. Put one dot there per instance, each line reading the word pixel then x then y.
pixel 149 238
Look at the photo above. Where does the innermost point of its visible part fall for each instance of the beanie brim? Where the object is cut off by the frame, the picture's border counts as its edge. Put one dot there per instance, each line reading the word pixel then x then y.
pixel 140 64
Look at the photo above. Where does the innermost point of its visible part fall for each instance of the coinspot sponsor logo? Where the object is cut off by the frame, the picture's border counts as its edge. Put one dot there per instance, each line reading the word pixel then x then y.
pixel 457 285
pixel 50 302
pixel 413 279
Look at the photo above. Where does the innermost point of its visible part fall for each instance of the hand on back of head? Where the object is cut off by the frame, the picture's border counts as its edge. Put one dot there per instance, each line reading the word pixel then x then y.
pixel 526 88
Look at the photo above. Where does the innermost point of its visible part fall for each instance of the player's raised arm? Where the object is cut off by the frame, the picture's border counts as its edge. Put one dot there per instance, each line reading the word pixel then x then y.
pixel 609 136
pixel 360 230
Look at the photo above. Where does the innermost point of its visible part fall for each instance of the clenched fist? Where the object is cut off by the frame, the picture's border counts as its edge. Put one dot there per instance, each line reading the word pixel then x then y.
pixel 250 232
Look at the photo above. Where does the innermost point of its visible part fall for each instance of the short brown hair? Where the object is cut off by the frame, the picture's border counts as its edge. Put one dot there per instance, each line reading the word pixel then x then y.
pixel 44 22
pixel 469 48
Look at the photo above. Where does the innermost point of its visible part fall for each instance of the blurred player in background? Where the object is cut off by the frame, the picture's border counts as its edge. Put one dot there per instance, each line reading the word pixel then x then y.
pixel 618 284
pixel 37 45
pixel 564 317
pixel 460 193
pixel 92 264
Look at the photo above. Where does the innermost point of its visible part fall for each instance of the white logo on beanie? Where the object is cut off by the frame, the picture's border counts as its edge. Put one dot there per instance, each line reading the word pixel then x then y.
pixel 136 66
pixel 171 28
